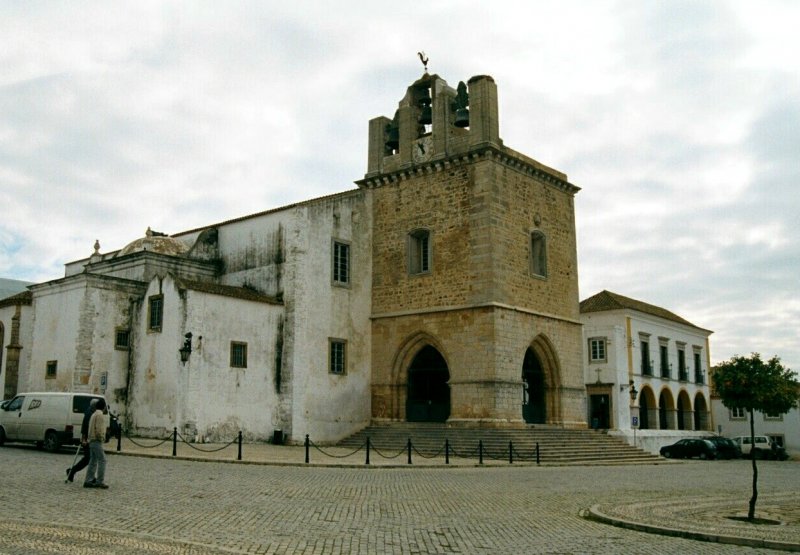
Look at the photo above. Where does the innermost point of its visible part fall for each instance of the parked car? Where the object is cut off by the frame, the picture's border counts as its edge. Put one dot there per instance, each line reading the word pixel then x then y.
pixel 689 448
pixel 726 447
pixel 765 448
pixel 48 419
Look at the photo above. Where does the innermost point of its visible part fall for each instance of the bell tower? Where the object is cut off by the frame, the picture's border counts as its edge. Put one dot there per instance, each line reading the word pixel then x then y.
pixel 475 314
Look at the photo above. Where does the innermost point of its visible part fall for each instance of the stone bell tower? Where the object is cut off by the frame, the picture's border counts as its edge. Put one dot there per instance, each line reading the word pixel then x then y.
pixel 475 315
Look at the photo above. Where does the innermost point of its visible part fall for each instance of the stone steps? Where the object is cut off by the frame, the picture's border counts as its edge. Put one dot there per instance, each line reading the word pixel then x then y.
pixel 556 445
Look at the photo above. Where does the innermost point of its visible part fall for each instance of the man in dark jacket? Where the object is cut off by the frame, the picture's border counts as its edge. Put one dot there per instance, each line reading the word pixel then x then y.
pixel 87 415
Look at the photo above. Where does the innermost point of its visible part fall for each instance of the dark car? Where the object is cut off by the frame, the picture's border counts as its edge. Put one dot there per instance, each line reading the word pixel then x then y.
pixel 726 447
pixel 689 448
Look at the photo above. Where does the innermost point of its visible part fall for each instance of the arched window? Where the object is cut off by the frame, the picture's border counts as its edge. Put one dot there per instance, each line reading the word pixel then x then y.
pixel 538 254
pixel 419 251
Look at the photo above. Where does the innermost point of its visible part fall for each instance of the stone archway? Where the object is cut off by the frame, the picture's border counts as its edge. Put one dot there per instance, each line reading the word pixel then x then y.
pixel 648 412
pixel 428 394
pixel 541 383
pixel 666 411
pixel 684 408
pixel 701 416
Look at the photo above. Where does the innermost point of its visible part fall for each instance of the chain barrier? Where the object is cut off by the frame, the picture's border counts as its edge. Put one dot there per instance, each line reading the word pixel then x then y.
pixel 424 456
pixel 318 448
pixel 174 437
pixel 375 449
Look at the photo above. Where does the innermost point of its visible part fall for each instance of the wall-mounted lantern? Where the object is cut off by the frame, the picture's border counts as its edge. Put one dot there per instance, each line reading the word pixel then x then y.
pixel 186 350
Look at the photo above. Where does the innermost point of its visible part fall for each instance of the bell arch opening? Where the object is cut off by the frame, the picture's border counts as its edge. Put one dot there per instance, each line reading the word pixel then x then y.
pixel 428 393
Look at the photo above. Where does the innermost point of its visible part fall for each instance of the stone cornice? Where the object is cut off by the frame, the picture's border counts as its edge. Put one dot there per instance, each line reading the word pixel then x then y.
pixel 509 158
pixel 433 310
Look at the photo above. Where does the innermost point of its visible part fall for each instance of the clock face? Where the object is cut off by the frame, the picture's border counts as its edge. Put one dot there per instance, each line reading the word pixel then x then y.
pixel 423 149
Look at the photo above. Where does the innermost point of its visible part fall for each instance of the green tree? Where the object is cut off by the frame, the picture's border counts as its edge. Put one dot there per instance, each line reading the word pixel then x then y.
pixel 751 384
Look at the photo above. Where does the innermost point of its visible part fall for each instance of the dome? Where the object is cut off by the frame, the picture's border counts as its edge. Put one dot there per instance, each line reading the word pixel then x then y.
pixel 154 241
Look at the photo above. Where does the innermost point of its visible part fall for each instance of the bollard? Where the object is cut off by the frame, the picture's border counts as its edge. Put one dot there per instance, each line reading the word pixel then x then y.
pixel 119 440
pixel 480 451
pixel 510 453
pixel 367 450
pixel 307 443
pixel 239 457
pixel 409 450
pixel 537 452
pixel 446 451
pixel 175 442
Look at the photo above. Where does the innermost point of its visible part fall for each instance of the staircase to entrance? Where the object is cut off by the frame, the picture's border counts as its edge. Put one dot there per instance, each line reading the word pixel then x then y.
pixel 556 445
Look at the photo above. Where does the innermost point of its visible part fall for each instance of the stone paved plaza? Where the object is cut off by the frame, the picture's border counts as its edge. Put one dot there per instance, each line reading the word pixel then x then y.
pixel 158 506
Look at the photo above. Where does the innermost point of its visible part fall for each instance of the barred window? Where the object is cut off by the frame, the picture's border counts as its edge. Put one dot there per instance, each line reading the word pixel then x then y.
pixel 238 354
pixel 155 313
pixel 122 339
pixel 51 369
pixel 338 356
pixel 341 263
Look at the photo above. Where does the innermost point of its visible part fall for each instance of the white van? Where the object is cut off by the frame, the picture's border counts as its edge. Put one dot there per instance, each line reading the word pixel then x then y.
pixel 48 419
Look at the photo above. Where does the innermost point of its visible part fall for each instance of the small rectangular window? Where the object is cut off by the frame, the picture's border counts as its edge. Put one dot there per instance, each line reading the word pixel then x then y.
pixel 538 254
pixel 51 370
pixel 341 263
pixel 338 356
pixel 238 354
pixel 597 349
pixel 772 416
pixel 698 369
pixel 737 413
pixel 683 372
pixel 155 313
pixel 419 251
pixel 664 361
pixel 122 339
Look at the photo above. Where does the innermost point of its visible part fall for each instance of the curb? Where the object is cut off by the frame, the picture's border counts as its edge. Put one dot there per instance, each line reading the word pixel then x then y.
pixel 594 513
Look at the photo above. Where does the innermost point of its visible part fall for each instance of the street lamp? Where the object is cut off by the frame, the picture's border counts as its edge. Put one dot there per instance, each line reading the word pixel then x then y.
pixel 186 350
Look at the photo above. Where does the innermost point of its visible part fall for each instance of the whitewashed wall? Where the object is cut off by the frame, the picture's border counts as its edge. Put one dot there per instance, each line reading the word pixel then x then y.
pixel 788 425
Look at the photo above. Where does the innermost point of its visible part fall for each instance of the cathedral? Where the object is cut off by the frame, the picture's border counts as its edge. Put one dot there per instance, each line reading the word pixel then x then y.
pixel 444 288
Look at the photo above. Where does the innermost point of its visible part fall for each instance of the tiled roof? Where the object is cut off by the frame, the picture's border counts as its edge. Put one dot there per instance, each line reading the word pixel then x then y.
pixel 23 297
pixel 606 300
pixel 227 291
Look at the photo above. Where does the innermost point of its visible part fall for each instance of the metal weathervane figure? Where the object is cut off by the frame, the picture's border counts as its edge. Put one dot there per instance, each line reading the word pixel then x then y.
pixel 424 59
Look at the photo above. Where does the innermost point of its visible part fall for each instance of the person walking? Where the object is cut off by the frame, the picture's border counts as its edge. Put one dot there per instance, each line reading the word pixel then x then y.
pixel 87 414
pixel 96 433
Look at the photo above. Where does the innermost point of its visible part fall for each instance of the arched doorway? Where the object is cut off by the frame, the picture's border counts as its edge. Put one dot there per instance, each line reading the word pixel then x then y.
pixel 534 409
pixel 684 411
pixel 428 397
pixel 666 411
pixel 701 420
pixel 647 409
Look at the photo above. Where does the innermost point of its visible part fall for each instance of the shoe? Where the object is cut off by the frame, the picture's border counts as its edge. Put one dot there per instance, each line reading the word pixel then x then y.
pixel 70 476
pixel 91 484
pixel 101 486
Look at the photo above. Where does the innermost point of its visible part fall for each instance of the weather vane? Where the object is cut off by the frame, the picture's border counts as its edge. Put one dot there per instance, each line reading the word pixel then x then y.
pixel 424 59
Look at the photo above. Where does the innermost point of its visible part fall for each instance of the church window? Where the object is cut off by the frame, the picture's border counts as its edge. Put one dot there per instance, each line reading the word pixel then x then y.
pixel 238 354
pixel 538 254
pixel 338 356
pixel 341 263
pixel 419 251
pixel 122 339
pixel 51 370
pixel 597 349
pixel 155 313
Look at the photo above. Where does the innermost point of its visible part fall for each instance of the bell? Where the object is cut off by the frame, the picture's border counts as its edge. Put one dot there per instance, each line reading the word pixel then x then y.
pixel 462 117
pixel 393 140
pixel 424 97
pixel 426 117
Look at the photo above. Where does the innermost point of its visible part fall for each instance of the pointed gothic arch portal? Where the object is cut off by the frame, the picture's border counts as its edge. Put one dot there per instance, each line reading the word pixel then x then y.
pixel 428 397
pixel 534 400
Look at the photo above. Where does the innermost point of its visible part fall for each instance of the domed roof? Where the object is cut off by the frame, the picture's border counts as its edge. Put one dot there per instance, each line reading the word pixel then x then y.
pixel 154 241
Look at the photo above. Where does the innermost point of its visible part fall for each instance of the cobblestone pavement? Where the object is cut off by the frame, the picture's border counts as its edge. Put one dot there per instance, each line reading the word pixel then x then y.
pixel 157 506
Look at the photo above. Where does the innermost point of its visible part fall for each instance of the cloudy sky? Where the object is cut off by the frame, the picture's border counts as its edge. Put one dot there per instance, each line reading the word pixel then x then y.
pixel 679 120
